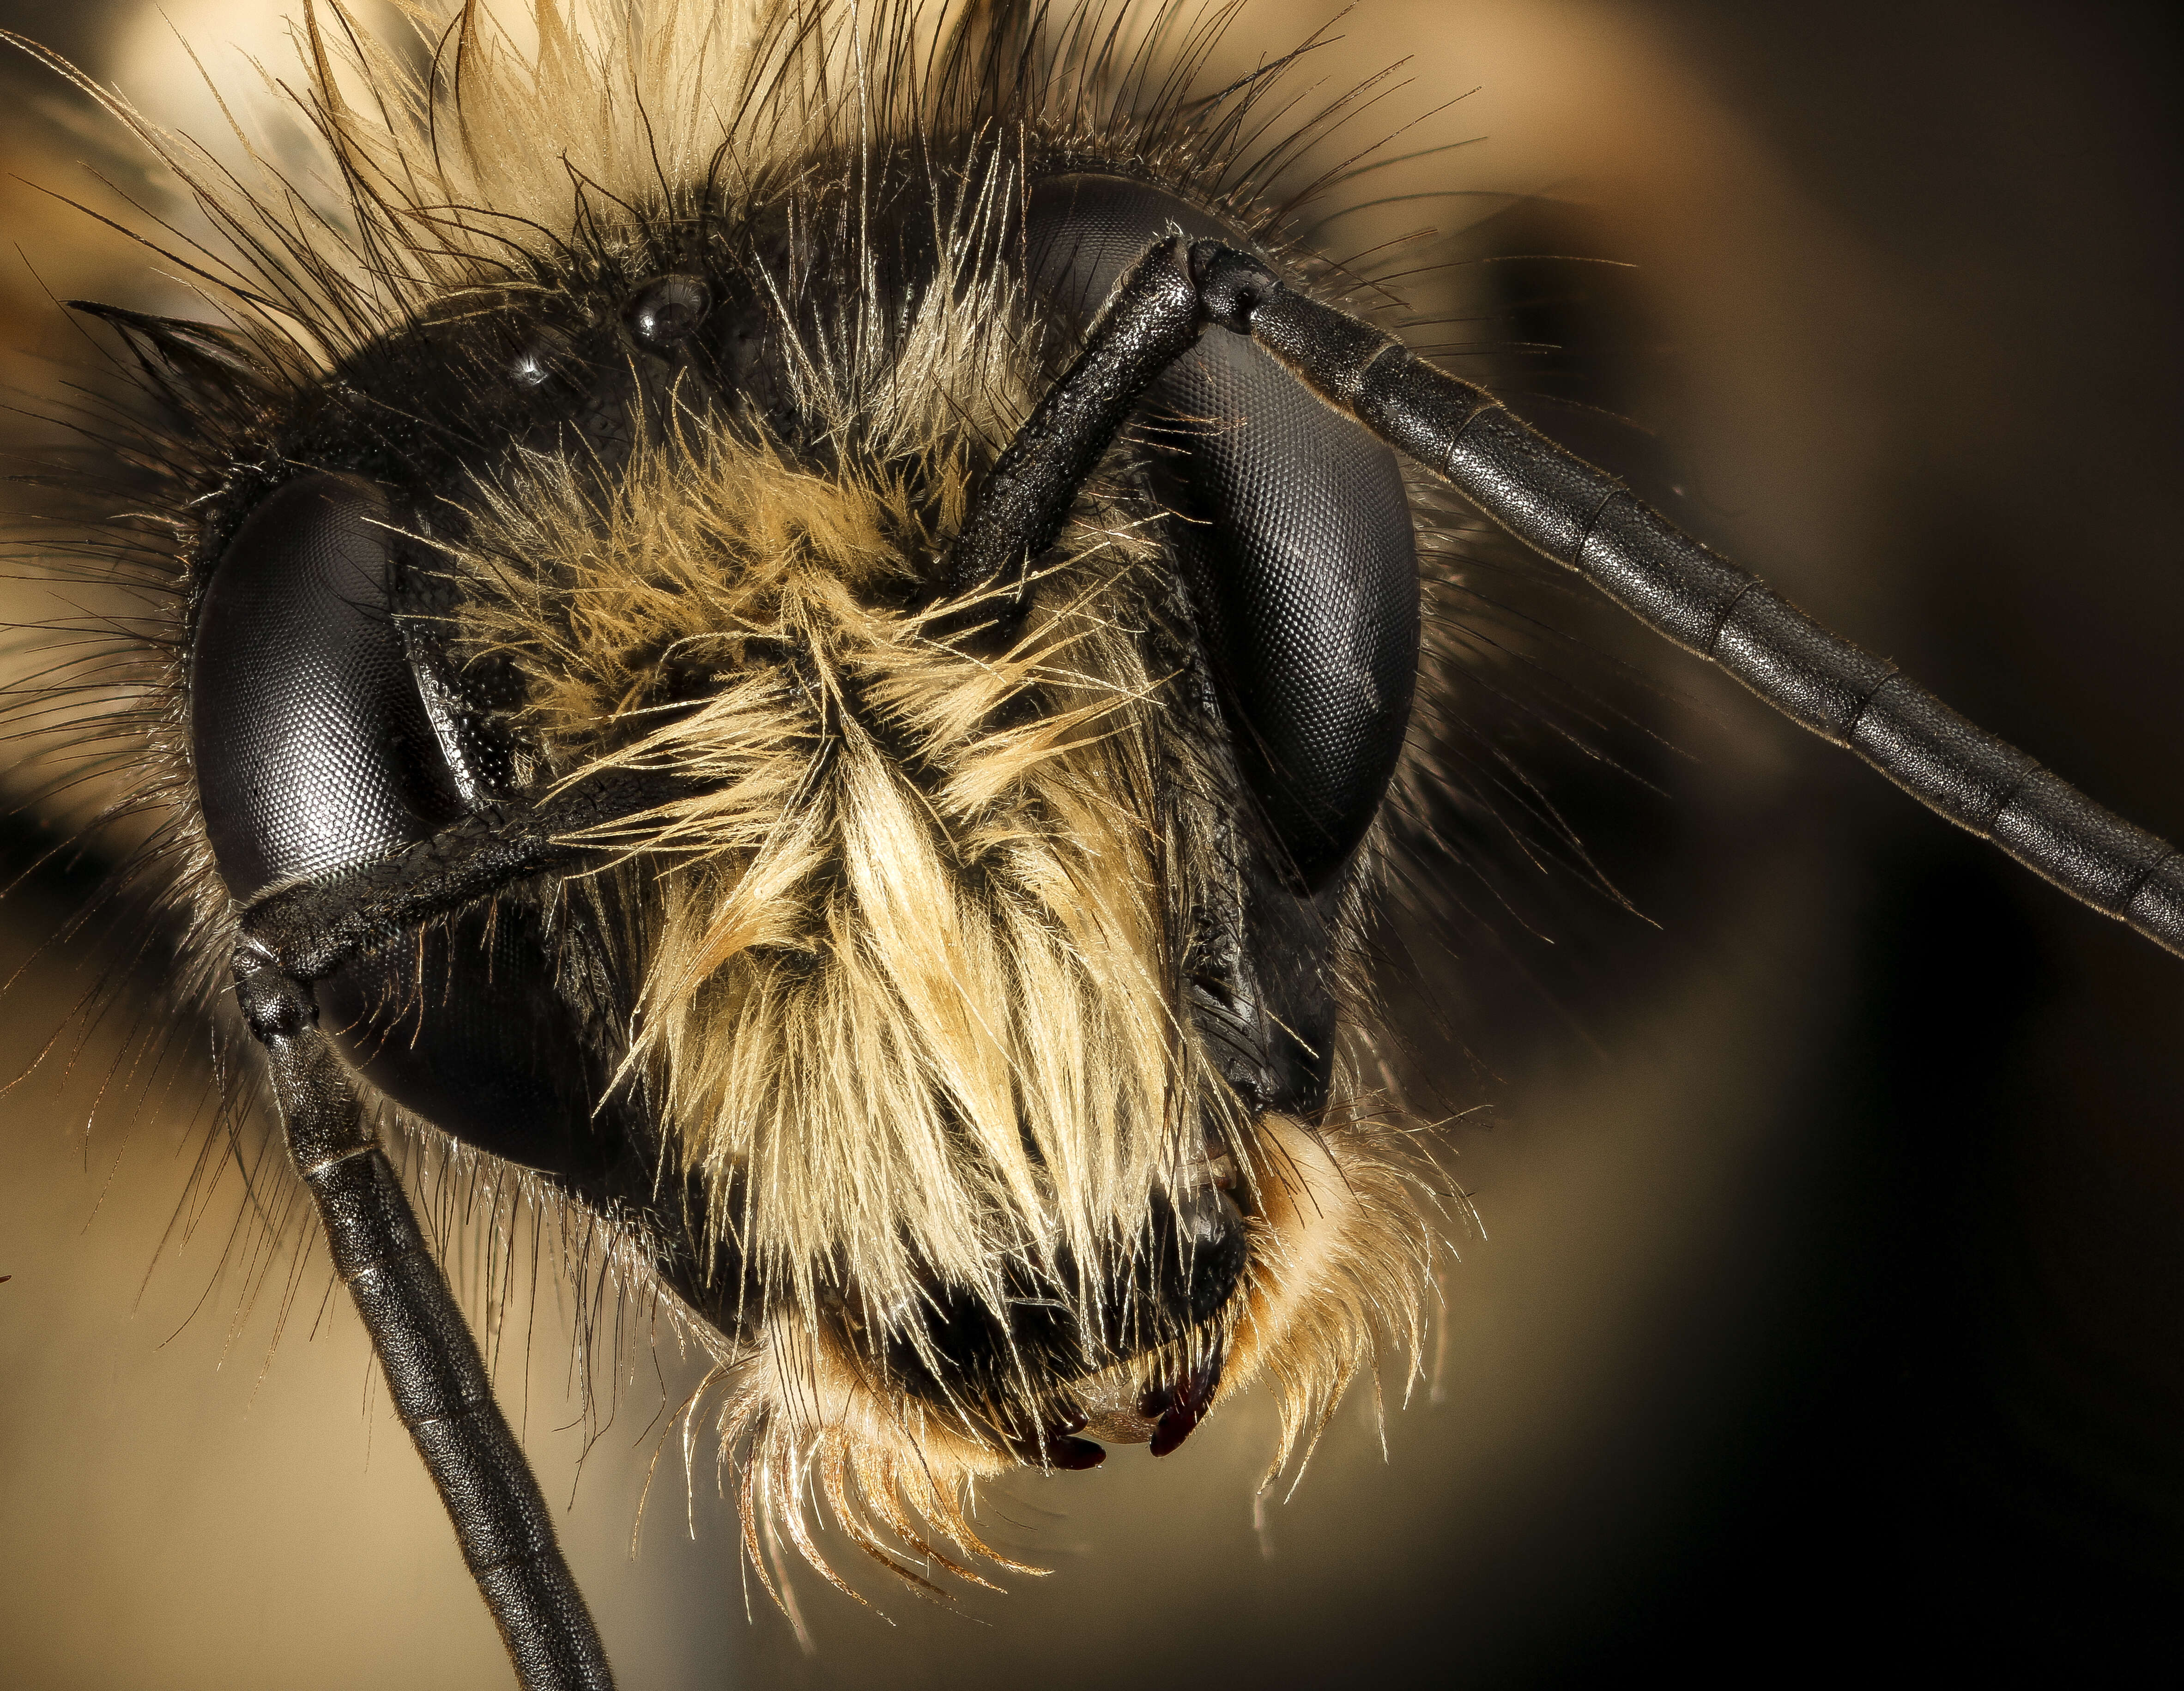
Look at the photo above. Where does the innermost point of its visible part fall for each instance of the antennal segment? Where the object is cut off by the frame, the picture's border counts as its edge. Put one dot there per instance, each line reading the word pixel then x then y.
pixel 1583 518
pixel 434 1373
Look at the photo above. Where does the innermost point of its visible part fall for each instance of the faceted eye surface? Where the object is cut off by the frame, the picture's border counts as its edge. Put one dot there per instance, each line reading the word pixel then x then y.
pixel 312 748
pixel 1296 536
pixel 313 754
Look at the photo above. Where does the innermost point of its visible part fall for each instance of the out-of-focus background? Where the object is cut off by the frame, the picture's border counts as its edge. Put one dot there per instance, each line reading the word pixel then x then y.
pixel 1827 1313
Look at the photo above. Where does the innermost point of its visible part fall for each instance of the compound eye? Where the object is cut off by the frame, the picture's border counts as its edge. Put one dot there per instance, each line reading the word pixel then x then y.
pixel 1295 536
pixel 310 742
pixel 314 754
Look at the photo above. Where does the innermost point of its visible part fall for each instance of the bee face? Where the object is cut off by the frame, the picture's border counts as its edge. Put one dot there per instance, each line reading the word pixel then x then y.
pixel 1417 1574
pixel 961 1043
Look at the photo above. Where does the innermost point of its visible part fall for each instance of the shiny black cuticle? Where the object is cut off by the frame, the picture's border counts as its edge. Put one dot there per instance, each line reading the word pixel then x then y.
pixel 667 310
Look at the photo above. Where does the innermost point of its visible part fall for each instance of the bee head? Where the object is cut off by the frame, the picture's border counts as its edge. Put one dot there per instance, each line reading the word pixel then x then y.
pixel 962 1047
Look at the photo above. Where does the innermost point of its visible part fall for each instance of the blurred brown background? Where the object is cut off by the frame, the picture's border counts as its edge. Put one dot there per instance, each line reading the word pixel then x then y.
pixel 1828 1312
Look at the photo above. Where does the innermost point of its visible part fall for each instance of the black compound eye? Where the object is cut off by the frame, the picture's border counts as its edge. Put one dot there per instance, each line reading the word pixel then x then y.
pixel 666 310
pixel 311 745
pixel 1296 540
pixel 313 754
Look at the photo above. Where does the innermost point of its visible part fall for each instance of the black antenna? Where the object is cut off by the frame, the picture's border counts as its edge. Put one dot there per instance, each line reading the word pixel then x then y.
pixel 1585 520
pixel 434 1373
